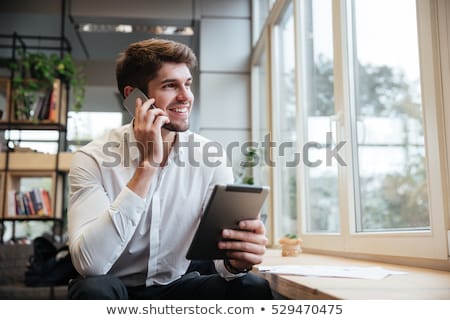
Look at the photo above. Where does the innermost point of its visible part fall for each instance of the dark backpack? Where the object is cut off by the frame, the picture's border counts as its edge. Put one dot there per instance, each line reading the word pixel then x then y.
pixel 49 266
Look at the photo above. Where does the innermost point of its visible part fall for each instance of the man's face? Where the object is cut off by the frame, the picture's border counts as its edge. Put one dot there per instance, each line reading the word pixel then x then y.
pixel 171 90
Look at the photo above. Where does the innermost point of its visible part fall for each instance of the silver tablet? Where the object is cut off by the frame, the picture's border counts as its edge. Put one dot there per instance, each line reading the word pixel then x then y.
pixel 228 205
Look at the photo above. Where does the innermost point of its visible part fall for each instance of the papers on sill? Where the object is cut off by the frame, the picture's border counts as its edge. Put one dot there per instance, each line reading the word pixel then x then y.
pixel 371 273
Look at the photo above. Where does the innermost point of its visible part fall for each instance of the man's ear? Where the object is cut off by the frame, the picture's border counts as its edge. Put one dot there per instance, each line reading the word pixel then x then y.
pixel 127 90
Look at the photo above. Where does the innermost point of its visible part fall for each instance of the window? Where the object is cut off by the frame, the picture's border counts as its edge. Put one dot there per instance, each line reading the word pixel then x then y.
pixel 388 139
pixel 33 140
pixel 82 127
pixel 320 177
pixel 363 103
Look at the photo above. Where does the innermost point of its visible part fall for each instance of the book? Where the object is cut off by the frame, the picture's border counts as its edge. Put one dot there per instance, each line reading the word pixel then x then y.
pixel 54 98
pixel 20 209
pixel 45 105
pixel 37 106
pixel 29 203
pixel 12 210
pixel 36 199
pixel 47 204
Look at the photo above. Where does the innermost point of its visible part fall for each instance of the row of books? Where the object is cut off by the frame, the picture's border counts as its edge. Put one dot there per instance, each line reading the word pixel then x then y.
pixel 35 202
pixel 45 106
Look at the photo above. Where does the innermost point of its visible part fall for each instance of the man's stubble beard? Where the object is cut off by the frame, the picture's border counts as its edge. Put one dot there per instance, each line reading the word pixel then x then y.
pixel 176 127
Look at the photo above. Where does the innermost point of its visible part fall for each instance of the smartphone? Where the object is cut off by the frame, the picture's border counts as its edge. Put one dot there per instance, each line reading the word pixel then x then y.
pixel 130 100
pixel 130 103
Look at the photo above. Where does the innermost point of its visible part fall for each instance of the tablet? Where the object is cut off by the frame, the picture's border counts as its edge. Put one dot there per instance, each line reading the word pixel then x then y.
pixel 227 206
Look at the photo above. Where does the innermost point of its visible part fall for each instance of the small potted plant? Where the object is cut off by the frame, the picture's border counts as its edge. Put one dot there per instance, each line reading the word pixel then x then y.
pixel 290 245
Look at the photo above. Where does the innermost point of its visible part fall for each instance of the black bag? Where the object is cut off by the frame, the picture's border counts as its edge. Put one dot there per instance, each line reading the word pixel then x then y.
pixel 49 266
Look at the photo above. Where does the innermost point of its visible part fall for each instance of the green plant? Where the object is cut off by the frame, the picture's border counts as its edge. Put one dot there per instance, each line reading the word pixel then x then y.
pixel 68 71
pixel 36 72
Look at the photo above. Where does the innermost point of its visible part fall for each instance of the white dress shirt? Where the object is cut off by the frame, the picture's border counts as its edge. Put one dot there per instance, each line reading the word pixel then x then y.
pixel 112 230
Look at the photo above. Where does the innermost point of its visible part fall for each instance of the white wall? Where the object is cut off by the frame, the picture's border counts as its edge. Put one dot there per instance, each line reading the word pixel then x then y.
pixel 225 49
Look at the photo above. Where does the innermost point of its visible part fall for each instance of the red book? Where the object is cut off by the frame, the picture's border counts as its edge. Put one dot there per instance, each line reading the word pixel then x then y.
pixel 47 203
pixel 54 98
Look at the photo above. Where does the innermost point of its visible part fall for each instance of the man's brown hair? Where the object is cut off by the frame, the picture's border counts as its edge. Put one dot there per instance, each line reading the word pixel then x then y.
pixel 142 60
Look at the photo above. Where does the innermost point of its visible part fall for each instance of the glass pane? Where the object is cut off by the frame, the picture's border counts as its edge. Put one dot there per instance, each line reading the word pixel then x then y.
pixel 390 158
pixel 28 183
pixel 321 183
pixel 286 126
pixel 85 126
pixel 33 140
pixel 37 135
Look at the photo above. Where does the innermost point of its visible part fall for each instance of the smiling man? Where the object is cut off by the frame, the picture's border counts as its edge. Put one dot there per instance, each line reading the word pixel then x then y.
pixel 130 225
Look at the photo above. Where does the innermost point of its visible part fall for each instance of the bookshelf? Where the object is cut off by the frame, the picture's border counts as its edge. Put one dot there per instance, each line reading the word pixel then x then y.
pixel 32 182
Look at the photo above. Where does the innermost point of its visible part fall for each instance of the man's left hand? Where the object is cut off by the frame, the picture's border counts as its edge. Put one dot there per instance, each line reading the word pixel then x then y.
pixel 250 247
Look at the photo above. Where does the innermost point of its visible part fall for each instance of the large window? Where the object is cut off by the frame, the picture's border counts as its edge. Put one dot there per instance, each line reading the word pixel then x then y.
pixel 362 103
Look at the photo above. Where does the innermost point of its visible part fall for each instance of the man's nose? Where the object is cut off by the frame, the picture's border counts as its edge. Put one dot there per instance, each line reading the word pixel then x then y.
pixel 184 94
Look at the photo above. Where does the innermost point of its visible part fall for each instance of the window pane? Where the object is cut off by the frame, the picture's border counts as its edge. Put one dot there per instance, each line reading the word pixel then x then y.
pixel 286 126
pixel 85 126
pixel 391 180
pixel 35 140
pixel 320 181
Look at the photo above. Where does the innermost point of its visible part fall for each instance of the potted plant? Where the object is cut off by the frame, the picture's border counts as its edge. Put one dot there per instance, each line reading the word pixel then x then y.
pixel 35 73
pixel 290 245
pixel 68 72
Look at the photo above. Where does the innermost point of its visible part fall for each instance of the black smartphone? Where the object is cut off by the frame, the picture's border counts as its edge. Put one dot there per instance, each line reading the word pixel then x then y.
pixel 130 100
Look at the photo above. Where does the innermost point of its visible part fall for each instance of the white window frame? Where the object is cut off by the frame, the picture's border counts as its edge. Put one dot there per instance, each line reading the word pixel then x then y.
pixel 262 48
pixel 424 244
pixel 425 248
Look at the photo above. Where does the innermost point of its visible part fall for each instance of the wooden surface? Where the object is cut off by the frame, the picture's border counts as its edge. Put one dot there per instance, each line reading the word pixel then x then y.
pixel 418 283
pixel 65 159
pixel 36 161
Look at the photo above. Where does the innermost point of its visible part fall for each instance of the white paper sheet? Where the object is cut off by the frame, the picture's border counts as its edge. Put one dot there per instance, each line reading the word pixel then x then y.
pixel 373 273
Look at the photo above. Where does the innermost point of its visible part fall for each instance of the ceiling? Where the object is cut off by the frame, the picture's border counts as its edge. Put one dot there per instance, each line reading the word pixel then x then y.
pixel 107 45
pixel 28 17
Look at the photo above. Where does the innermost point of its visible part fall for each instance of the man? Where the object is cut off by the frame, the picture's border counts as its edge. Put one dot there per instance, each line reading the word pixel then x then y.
pixel 137 195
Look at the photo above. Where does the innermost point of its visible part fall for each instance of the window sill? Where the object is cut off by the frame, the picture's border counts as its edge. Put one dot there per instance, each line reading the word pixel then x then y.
pixel 417 284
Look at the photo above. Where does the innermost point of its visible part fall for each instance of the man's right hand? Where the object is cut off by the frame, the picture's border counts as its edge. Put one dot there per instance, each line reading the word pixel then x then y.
pixel 147 131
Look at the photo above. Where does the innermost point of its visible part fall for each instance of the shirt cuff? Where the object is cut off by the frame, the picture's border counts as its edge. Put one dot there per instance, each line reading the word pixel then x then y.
pixel 224 273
